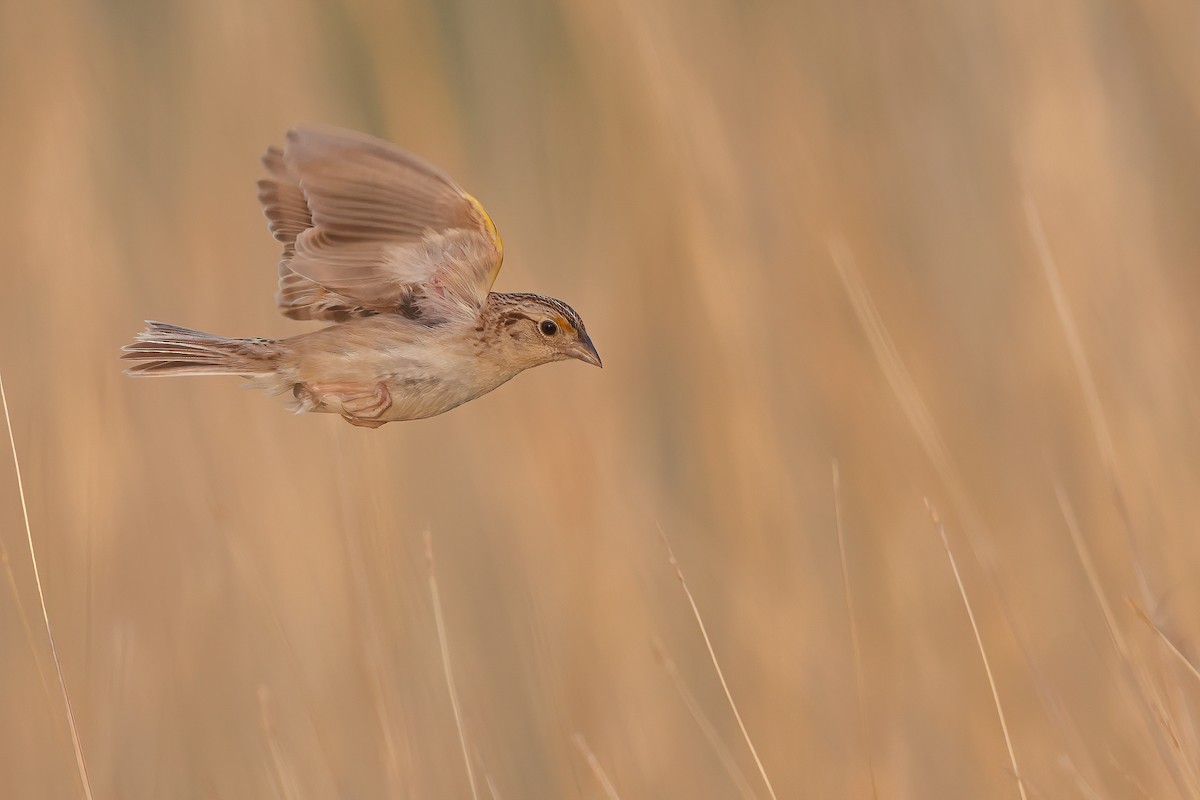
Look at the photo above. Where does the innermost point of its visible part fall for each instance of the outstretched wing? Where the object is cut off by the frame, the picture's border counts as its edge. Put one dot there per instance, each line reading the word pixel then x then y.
pixel 369 228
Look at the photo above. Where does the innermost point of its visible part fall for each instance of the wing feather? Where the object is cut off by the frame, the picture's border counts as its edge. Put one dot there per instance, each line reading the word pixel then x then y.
pixel 367 227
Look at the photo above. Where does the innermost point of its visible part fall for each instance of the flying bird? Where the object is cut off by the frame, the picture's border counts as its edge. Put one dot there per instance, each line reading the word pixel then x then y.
pixel 389 249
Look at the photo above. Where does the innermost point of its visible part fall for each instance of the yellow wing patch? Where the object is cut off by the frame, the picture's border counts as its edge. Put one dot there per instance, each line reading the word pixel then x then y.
pixel 490 227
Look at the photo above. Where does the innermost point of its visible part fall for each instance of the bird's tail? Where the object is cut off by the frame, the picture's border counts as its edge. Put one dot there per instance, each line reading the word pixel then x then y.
pixel 163 349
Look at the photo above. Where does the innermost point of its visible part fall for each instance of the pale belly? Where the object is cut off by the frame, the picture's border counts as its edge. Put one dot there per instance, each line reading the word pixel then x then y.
pixel 418 398
pixel 423 377
pixel 411 398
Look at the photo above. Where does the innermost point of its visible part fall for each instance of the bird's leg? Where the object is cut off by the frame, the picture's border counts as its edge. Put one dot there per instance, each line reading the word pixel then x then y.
pixel 364 423
pixel 364 400
pixel 360 403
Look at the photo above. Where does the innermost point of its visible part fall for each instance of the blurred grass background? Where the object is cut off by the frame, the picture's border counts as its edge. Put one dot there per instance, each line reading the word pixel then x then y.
pixel 240 596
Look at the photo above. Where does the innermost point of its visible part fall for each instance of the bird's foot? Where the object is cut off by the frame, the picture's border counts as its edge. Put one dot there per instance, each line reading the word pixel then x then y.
pixel 360 404
pixel 364 423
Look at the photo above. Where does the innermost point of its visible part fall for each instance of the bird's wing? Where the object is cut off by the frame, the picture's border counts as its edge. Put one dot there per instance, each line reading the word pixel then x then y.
pixel 368 228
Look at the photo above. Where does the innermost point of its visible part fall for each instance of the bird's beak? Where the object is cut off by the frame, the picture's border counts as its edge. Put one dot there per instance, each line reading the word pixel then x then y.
pixel 585 351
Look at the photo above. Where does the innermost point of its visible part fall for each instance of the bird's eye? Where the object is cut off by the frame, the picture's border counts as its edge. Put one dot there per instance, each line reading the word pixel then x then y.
pixel 548 327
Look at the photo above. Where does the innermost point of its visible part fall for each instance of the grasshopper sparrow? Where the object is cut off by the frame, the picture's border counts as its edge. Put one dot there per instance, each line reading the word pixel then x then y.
pixel 391 250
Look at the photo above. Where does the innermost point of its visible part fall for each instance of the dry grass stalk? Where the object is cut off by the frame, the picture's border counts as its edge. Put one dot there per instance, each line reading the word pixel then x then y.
pixel 1012 756
pixel 597 769
pixel 493 792
pixel 905 389
pixel 370 628
pixel 1089 568
pixel 1154 626
pixel 854 641
pixel 374 661
pixel 705 724
pixel 24 617
pixel 441 631
pixel 922 422
pixel 1130 778
pixel 716 664
pixel 1081 783
pixel 1146 703
pixel 62 684
pixel 285 783
pixel 1183 769
pixel 1087 381
pixel 252 577
pixel 1186 774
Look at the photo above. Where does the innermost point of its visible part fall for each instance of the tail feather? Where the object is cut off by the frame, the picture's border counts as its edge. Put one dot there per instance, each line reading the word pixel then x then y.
pixel 164 349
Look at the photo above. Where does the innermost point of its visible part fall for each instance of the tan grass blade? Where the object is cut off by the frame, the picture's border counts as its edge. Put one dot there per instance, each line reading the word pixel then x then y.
pixel 24 615
pixel 1089 569
pixel 1081 783
pixel 1184 769
pixel 923 424
pixel 854 641
pixel 493 792
pixel 907 394
pixel 1012 756
pixel 441 631
pixel 371 626
pixel 1144 617
pixel 252 577
pixel 37 577
pixel 1087 381
pixel 1147 701
pixel 716 664
pixel 1130 778
pixel 597 769
pixel 285 782
pixel 705 724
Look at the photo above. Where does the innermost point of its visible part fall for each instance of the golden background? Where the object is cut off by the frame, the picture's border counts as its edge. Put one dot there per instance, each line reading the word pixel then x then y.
pixel 952 246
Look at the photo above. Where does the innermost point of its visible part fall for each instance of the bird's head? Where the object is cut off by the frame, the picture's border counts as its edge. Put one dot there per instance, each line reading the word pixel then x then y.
pixel 541 329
